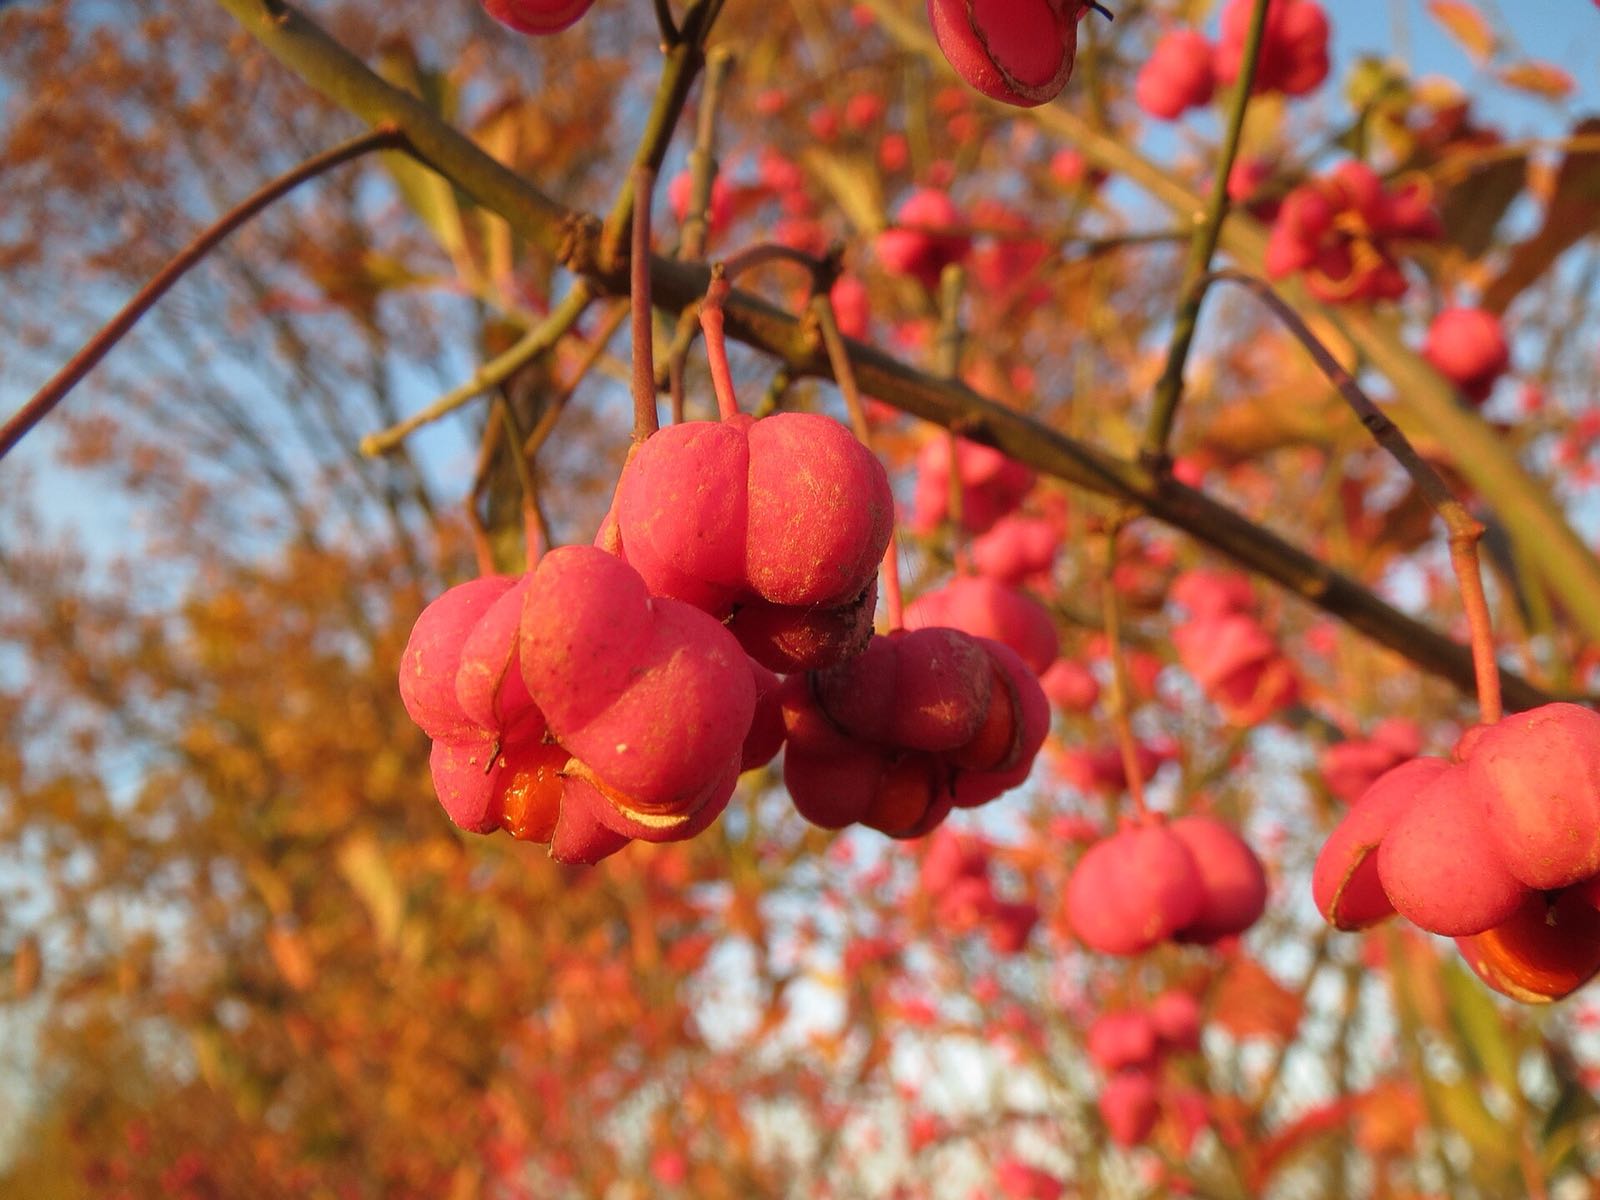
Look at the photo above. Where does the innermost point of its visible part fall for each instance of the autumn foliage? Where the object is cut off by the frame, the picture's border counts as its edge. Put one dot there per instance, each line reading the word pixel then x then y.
pixel 983 744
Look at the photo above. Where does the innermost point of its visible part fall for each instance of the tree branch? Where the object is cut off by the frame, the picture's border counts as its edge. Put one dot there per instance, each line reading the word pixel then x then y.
pixel 307 51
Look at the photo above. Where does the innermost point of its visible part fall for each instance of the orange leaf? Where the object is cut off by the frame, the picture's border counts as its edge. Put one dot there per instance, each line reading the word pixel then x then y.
pixel 1251 1003
pixel 1540 78
pixel 1466 24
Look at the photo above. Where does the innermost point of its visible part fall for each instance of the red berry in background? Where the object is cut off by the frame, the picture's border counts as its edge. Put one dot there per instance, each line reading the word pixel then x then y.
pixel 1439 866
pixel 992 485
pixel 1018 550
pixel 1233 882
pixel 1070 686
pixel 1238 665
pixel 1545 950
pixel 1177 76
pixel 1129 1106
pixel 1118 1040
pixel 986 609
pixel 1136 888
pixel 1345 882
pixel 1342 231
pixel 1350 767
pixel 1535 778
pixel 778 524
pixel 1468 347
pixel 720 211
pixel 537 16
pixel 919 244
pixel 1017 51
pixel 1018 1180
pixel 852 307
pixel 1176 1017
pixel 1294 46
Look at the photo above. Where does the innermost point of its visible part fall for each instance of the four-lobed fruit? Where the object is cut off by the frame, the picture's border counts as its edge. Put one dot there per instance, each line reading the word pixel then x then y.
pixel 922 722
pixel 776 525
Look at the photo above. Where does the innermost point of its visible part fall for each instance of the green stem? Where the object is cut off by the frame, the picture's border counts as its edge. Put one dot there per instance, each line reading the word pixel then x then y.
pixel 541 339
pixel 1169 388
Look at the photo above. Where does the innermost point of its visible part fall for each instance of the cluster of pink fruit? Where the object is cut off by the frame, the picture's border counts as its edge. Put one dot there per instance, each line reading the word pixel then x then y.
pixel 1130 1047
pixel 954 879
pixel 1189 880
pixel 617 691
pixel 1232 657
pixel 1184 69
pixel 1339 231
pixel 1498 847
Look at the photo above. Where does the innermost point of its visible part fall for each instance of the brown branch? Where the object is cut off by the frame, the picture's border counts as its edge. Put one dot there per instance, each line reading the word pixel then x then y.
pixel 309 52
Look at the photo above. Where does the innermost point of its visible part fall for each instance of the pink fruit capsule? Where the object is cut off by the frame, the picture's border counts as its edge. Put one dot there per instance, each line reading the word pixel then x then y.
pixel 986 608
pixel 1017 51
pixel 432 656
pixel 1134 889
pixel 1439 866
pixel 1345 881
pixel 652 697
pixel 1232 880
pixel 1535 776
pixel 1129 1107
pixel 537 16
pixel 1122 1039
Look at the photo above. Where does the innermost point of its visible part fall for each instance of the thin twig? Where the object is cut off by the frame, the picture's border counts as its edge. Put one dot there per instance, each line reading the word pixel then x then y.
pixel 1169 388
pixel 645 420
pixel 1463 528
pixel 541 339
pixel 383 137
pixel 1121 694
pixel 703 157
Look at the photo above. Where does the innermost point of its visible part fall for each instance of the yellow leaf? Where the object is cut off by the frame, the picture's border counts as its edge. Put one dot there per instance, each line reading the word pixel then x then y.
pixel 1466 24
pixel 1540 78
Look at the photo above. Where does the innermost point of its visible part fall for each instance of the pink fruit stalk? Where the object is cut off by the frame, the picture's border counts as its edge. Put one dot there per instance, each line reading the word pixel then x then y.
pixel 986 609
pixel 776 525
pixel 537 16
pixel 1017 51
pixel 1176 77
pixel 1468 347
pixel 919 244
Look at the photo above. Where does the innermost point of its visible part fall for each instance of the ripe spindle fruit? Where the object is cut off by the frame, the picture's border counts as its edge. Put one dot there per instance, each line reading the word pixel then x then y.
pixel 1017 51
pixel 537 16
